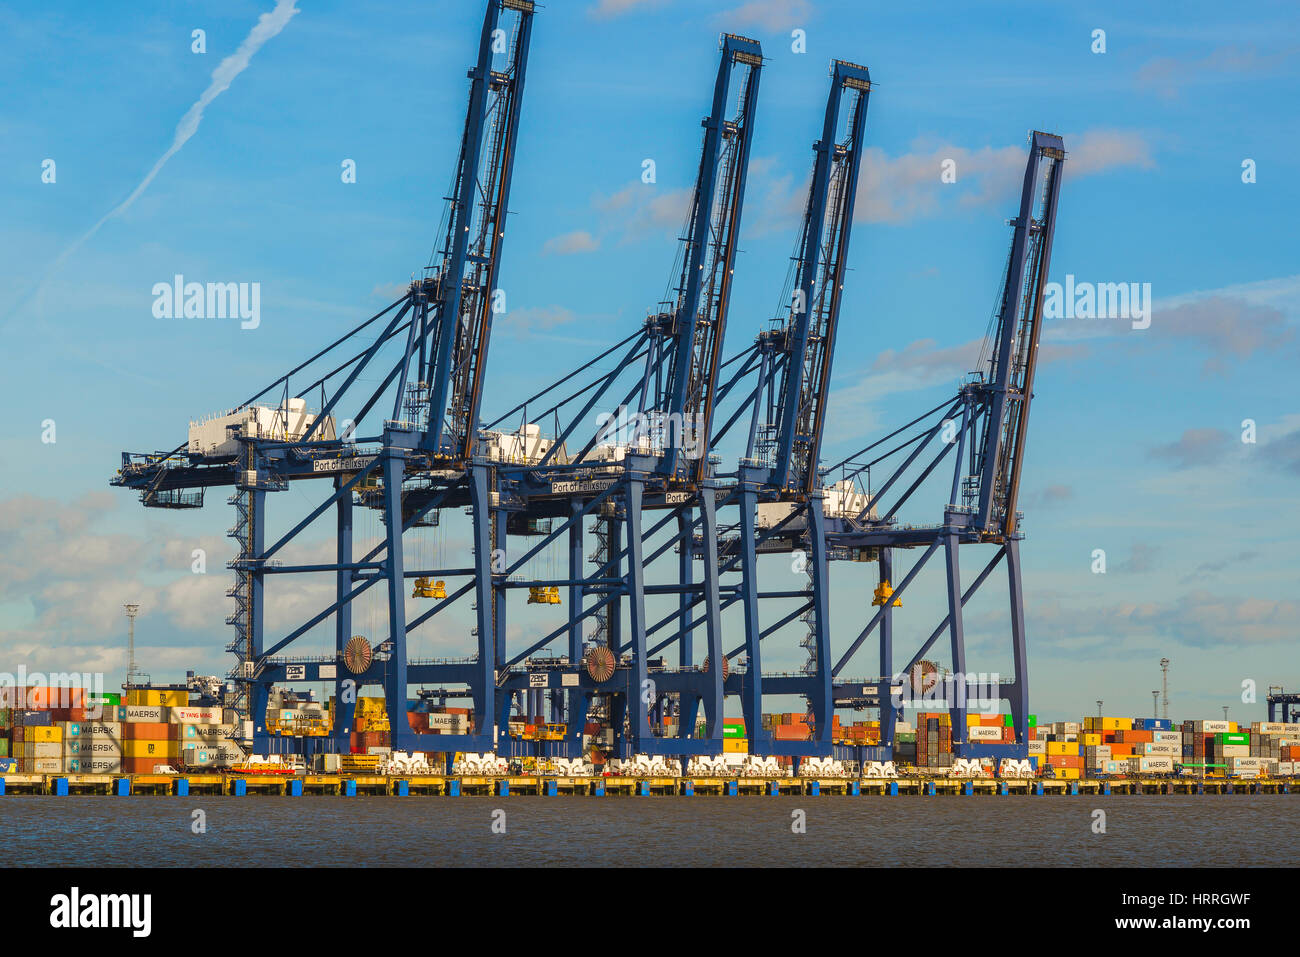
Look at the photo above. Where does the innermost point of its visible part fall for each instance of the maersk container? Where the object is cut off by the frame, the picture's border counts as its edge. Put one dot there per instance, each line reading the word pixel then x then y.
pixel 92 747
pixel 201 757
pixel 137 713
pixel 98 764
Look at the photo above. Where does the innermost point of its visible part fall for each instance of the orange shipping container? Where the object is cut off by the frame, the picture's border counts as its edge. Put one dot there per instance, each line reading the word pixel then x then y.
pixel 145 730
pixel 146 765
pixel 41 698
pixel 1065 760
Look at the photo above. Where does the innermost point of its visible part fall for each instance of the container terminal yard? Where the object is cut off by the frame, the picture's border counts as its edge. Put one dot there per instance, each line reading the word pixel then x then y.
pixel 604 499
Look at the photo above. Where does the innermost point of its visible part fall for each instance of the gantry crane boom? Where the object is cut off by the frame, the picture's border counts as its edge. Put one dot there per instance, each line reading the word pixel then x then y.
pixel 459 293
pixel 691 334
pixel 808 337
pixel 1008 388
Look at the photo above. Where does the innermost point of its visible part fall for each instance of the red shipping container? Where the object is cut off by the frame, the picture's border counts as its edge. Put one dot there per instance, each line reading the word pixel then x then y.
pixel 790 732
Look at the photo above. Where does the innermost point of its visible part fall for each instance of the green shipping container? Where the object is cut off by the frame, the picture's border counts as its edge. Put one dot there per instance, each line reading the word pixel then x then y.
pixel 732 731
pixel 1007 721
pixel 4 747
pixel 1226 737
pixel 1033 720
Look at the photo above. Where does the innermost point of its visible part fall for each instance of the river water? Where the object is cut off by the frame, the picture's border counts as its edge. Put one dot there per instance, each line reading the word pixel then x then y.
pixel 1014 831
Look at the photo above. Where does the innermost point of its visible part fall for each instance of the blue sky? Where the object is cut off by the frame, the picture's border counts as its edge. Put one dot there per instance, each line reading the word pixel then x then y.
pixel 1135 441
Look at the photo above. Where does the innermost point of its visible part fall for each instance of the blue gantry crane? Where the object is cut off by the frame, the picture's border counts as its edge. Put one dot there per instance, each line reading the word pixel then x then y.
pixel 617 494
pixel 986 424
pixel 777 488
pixel 430 348
pixel 649 454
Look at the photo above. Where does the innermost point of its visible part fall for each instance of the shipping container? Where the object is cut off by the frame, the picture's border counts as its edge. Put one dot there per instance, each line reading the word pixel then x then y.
pixel 146 765
pixel 1211 727
pixel 148 714
pixel 186 715
pixel 145 748
pixel 145 730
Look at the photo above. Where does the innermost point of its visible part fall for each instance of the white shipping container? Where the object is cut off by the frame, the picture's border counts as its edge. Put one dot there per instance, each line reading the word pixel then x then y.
pixel 1038 746
pixel 1070 727
pixel 195 716
pixel 205 733
pixel 101 729
pixel 978 732
pixel 201 757
pixel 1233 751
pixel 42 749
pixel 94 765
pixel 229 752
pixel 1166 737
pixel 1211 727
pixel 141 712
pixel 44 765
pixel 1157 763
pixel 1285 768
pixel 1249 763
pixel 1161 748
pixel 86 747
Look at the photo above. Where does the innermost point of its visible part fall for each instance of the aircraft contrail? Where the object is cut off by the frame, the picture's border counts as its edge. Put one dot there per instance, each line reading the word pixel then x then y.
pixel 268 25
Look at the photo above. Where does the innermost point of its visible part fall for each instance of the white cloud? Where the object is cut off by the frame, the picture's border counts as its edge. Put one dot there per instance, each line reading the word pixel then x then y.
pixel 771 15
pixel 608 9
pixel 907 187
pixel 579 241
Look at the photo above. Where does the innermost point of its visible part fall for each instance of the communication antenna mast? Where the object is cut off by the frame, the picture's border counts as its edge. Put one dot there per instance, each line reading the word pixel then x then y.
pixel 131 610
pixel 1099 707
pixel 1155 704
pixel 1164 682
